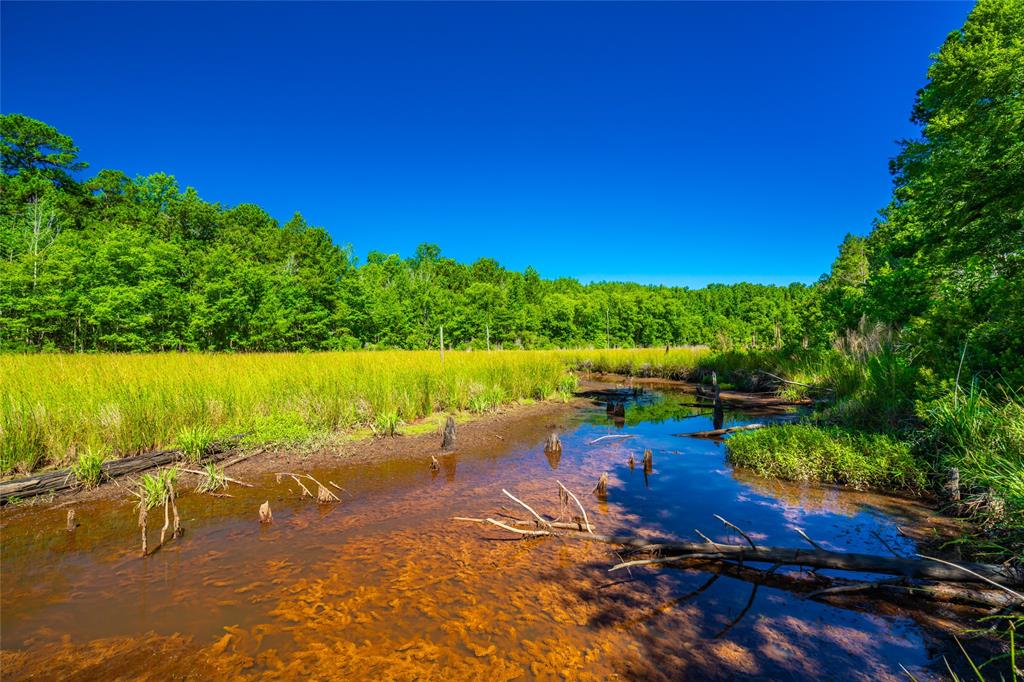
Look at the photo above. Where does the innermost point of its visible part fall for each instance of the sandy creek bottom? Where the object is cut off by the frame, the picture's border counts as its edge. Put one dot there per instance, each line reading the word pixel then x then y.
pixel 386 586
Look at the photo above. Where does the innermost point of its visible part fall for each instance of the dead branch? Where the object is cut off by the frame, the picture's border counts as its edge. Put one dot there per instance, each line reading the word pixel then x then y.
pixel 668 552
pixel 720 432
pixel 575 499
pixel 323 496
pixel 623 436
pixel 737 529
pixel 541 521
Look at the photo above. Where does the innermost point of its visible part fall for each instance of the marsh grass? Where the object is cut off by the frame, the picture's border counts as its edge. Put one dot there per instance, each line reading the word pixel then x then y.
pixel 984 439
pixel 88 468
pixel 213 479
pixel 386 423
pixel 52 405
pixel 804 452
pixel 194 442
pixel 155 488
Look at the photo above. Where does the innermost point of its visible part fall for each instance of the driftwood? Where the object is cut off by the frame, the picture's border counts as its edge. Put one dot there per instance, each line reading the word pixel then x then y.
pixel 921 576
pixel 64 479
pixel 720 432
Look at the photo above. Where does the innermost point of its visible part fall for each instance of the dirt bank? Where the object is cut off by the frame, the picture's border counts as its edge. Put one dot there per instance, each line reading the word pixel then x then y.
pixel 473 431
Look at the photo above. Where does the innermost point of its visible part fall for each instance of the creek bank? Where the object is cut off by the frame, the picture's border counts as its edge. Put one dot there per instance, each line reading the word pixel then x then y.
pixel 339 449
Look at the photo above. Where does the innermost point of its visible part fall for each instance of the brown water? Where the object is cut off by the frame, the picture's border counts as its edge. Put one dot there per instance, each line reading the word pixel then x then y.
pixel 385 585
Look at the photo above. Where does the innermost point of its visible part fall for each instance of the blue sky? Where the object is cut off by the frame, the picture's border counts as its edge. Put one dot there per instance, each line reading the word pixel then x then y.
pixel 668 143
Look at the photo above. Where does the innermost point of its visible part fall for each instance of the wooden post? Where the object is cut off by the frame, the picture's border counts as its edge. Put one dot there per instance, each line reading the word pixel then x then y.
pixel 448 437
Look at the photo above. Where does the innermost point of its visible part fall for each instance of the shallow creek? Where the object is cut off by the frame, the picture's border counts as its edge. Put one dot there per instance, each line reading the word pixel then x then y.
pixel 386 585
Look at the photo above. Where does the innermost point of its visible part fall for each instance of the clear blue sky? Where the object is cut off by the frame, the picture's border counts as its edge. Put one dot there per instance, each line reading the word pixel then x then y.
pixel 669 143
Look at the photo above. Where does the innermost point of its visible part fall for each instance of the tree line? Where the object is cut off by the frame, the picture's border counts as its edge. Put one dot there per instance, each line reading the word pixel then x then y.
pixel 113 263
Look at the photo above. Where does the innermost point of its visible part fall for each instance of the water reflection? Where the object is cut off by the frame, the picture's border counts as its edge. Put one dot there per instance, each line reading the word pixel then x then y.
pixel 386 585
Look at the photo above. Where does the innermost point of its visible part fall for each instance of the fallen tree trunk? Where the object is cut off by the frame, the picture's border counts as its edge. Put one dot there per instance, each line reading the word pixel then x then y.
pixel 64 479
pixel 675 552
pixel 669 552
pixel 720 432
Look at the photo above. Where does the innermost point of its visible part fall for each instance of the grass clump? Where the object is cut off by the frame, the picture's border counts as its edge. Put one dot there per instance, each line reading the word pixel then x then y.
pixel 386 423
pixel 88 468
pixel 194 442
pixel 803 452
pixel 155 489
pixel 213 479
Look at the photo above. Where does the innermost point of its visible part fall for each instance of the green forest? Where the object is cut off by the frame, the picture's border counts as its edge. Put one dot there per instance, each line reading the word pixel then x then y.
pixel 105 262
pixel 112 263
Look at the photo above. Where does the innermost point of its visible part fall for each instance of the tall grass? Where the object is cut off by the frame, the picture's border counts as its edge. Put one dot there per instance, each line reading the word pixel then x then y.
pixel 984 440
pixel 54 406
pixel 803 452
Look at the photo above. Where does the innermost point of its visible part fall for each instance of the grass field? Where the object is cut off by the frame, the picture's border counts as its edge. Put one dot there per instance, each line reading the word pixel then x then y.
pixel 54 408
pixel 57 409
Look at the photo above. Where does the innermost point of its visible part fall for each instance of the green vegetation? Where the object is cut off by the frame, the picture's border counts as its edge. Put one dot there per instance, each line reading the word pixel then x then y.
pixel 802 452
pixel 110 263
pixel 155 489
pixel 213 479
pixel 53 405
pixel 386 423
pixel 88 468
pixel 194 442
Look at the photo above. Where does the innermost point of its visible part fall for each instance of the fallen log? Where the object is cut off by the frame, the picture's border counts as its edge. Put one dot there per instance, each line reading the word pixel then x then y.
pixel 64 479
pixel 676 552
pixel 720 432
pixel 796 556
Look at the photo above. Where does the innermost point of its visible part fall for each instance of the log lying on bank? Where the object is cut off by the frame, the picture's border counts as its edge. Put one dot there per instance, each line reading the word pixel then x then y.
pixel 64 479
pixel 921 576
pixel 720 432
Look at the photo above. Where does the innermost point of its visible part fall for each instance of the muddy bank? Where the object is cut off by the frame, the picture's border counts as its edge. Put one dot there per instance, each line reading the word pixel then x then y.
pixel 338 449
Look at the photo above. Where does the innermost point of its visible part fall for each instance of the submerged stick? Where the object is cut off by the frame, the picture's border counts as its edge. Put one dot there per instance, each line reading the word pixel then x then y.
pixel 720 432
pixel 617 435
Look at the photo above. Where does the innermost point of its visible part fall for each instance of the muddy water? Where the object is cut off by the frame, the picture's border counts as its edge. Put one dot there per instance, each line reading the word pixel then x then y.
pixel 386 585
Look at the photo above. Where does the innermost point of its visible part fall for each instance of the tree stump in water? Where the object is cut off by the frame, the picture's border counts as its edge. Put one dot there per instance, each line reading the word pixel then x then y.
pixel 632 461
pixel 448 436
pixel 601 489
pixel 265 515
pixel 554 443
pixel 71 521
pixel 648 461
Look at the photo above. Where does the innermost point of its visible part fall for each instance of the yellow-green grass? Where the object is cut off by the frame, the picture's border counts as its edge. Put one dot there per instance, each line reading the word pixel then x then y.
pixel 53 407
pixel 676 363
